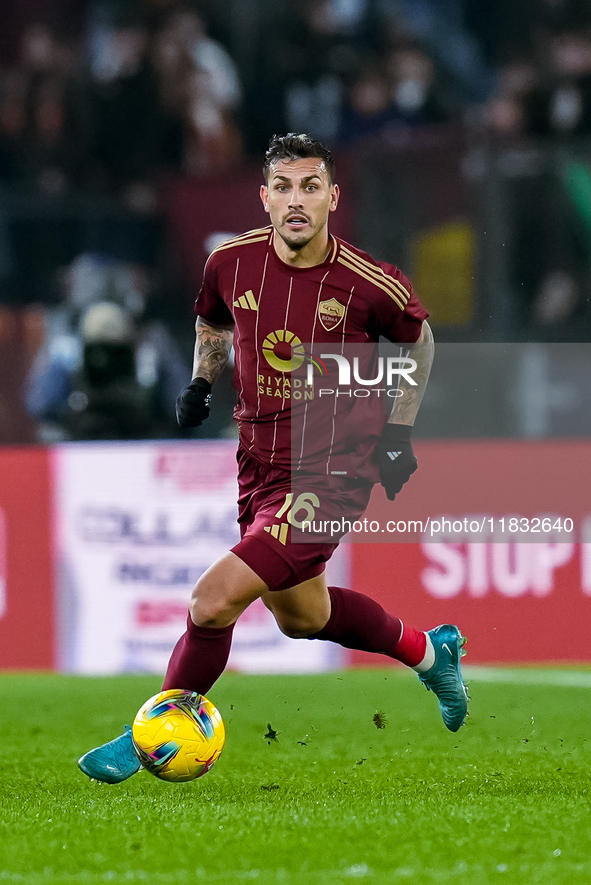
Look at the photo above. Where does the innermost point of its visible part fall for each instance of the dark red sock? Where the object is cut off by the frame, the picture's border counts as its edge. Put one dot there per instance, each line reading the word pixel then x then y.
pixel 199 658
pixel 356 621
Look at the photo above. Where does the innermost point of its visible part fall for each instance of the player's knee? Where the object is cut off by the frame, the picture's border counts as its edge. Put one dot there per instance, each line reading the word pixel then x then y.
pixel 210 610
pixel 297 629
pixel 206 616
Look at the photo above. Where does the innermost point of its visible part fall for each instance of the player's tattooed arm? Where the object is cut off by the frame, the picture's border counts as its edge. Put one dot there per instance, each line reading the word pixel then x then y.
pixel 212 350
pixel 406 406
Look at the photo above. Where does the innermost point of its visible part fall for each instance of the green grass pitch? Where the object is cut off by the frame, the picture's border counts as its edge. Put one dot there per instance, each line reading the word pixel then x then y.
pixel 334 799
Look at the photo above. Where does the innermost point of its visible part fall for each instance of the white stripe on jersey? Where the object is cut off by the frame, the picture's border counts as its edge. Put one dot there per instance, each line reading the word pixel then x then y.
pixel 237 339
pixel 283 397
pixel 311 346
pixel 256 344
pixel 336 399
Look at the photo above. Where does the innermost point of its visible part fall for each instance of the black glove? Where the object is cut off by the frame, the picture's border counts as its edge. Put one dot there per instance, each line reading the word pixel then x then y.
pixel 396 458
pixel 192 404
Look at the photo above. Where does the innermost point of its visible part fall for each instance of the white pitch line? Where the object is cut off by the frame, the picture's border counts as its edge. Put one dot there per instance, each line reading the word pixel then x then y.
pixel 560 678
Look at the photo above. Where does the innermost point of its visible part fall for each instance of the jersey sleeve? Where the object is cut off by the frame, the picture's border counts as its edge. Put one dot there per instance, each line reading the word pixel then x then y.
pixel 398 314
pixel 209 304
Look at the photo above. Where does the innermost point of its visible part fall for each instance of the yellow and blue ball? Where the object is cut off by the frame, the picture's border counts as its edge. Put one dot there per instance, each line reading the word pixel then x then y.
pixel 178 735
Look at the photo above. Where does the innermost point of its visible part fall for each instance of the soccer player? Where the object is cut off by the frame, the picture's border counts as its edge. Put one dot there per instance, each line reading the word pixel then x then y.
pixel 265 293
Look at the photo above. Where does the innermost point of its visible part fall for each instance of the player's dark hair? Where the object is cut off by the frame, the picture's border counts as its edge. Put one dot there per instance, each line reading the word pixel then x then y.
pixel 297 147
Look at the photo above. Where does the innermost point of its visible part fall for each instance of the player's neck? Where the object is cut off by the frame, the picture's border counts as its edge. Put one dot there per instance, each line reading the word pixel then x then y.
pixel 313 253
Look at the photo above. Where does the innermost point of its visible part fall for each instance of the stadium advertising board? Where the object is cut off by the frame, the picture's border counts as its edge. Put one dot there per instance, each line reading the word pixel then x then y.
pixel 26 580
pixel 500 543
pixel 137 525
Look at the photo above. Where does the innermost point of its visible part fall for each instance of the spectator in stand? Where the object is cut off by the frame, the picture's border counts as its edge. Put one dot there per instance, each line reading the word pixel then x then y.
pixel 41 133
pixel 509 30
pixel 441 27
pixel 399 93
pixel 130 130
pixel 199 82
pixel 13 124
pixel 504 113
pixel 559 108
pixel 560 102
pixel 416 99
pixel 329 42
pixel 366 110
pixel 42 153
pixel 548 101
pixel 133 142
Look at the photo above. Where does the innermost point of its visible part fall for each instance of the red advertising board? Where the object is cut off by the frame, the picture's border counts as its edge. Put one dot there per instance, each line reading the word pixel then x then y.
pixel 519 583
pixel 26 579
pixel 518 598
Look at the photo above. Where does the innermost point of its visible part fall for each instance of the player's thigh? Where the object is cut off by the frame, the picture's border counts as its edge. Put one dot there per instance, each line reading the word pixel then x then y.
pixel 302 610
pixel 224 591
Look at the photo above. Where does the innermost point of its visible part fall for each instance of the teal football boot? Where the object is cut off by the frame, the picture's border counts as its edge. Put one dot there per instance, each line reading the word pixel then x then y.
pixel 445 676
pixel 112 762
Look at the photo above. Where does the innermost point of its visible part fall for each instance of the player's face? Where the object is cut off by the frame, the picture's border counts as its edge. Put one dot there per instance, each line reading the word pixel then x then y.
pixel 299 198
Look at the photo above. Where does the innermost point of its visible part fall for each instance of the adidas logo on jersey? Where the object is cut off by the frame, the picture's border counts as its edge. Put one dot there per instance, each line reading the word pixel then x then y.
pixel 278 531
pixel 247 301
pixel 393 455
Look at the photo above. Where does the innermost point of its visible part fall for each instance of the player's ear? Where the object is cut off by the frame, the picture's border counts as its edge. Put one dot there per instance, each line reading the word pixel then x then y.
pixel 334 195
pixel 265 196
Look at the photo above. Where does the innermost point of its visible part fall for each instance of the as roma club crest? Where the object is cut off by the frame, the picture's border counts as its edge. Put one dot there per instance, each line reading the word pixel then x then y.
pixel 330 313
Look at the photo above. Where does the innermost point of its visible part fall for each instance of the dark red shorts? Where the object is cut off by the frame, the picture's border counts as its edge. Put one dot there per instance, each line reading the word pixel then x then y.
pixel 272 505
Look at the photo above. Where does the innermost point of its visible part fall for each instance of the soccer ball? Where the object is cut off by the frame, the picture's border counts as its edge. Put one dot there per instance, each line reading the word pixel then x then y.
pixel 178 735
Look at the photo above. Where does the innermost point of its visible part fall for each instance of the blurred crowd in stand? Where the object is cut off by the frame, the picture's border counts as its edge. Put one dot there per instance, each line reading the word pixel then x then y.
pixel 104 102
pixel 540 114
pixel 93 125
pixel 124 101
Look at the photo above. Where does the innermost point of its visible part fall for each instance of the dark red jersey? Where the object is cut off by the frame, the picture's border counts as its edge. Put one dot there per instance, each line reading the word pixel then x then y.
pixel 284 315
